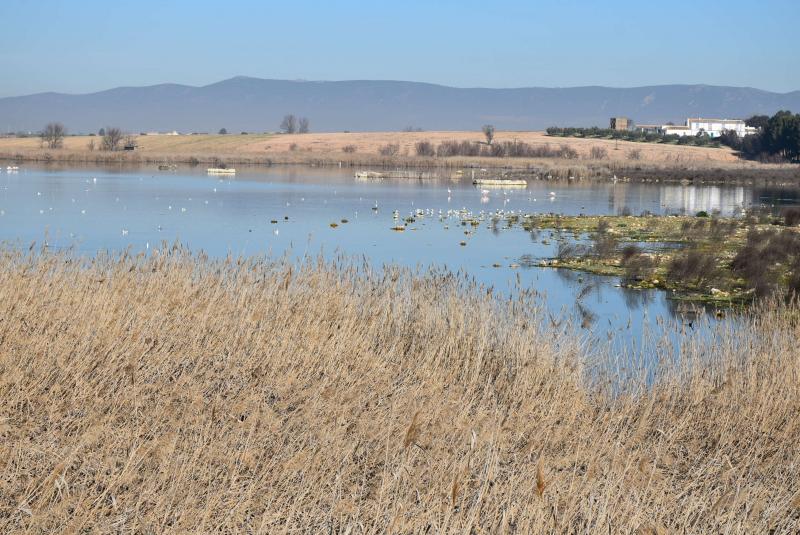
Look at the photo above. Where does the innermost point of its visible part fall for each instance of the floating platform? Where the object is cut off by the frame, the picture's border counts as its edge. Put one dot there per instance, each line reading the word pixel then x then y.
pixel 221 171
pixel 500 182
pixel 370 174
pixel 401 173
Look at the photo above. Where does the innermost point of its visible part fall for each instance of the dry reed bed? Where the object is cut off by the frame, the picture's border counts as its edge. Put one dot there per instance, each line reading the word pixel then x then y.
pixel 179 394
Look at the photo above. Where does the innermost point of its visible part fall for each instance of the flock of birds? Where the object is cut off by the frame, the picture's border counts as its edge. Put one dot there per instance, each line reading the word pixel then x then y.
pixel 461 214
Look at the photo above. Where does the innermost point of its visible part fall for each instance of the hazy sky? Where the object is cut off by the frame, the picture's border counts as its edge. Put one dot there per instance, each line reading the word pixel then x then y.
pixel 81 46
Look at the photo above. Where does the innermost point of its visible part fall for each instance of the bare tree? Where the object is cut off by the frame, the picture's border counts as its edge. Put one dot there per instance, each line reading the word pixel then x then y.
pixel 289 124
pixel 112 138
pixel 53 135
pixel 303 125
pixel 488 131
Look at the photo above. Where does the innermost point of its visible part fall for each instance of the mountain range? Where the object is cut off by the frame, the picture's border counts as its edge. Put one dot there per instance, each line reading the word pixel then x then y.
pixel 258 105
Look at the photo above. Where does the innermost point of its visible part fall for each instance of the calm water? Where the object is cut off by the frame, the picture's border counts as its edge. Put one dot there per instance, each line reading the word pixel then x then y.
pixel 101 208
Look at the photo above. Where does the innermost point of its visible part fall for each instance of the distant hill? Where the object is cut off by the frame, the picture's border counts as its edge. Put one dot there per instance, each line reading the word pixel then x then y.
pixel 257 105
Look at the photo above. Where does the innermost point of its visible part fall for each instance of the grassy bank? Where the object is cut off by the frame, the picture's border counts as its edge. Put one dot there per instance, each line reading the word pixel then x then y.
pixel 439 149
pixel 179 394
pixel 578 157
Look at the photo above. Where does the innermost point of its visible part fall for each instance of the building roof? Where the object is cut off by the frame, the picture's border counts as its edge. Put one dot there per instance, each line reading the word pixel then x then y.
pixel 676 127
pixel 706 120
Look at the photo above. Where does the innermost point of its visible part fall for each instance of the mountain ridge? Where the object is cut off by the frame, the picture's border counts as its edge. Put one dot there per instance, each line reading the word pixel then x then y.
pixel 244 103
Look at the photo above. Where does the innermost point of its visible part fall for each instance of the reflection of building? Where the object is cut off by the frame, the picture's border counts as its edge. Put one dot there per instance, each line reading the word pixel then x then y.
pixel 636 198
pixel 693 199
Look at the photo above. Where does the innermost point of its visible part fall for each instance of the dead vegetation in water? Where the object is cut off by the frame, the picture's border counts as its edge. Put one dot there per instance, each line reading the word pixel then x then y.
pixel 180 394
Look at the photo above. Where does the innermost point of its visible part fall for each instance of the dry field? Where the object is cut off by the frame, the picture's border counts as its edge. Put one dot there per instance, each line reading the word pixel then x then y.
pixel 330 148
pixel 176 394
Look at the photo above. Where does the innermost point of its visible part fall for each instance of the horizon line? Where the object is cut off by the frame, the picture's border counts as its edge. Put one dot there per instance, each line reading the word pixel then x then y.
pixel 395 81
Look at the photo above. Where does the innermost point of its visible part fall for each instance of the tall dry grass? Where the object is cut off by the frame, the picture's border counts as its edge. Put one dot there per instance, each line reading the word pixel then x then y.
pixel 176 393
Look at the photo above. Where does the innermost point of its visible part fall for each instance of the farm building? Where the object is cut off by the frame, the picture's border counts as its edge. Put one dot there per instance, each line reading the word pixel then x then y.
pixel 709 127
pixel 620 123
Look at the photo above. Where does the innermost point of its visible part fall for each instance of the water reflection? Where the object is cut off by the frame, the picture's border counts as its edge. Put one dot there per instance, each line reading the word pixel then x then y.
pixel 692 199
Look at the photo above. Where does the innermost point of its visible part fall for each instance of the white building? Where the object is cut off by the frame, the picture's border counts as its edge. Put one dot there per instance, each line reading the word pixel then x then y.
pixel 710 127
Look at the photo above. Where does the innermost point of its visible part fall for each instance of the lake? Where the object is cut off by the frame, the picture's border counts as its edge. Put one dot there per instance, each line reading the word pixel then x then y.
pixel 290 210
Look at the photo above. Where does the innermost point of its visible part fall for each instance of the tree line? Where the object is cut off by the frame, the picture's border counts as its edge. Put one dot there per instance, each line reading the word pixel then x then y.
pixel 111 137
pixel 505 149
pixel 778 138
pixel 632 135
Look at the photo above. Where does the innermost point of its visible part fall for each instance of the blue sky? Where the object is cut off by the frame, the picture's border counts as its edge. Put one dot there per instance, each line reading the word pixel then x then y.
pixel 83 46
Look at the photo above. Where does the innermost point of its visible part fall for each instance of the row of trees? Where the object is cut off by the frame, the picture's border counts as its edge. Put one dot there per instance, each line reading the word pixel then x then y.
pixel 53 134
pixel 292 124
pixel 778 138
pixel 632 135
pixel 505 149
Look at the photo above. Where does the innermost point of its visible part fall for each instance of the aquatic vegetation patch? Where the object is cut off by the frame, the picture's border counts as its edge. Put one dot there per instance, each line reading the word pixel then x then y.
pixel 722 260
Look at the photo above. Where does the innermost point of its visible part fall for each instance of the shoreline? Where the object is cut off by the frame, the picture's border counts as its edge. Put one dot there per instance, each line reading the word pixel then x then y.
pixel 555 157
pixel 524 168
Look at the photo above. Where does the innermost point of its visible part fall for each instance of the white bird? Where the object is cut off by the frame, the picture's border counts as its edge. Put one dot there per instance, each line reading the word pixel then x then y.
pixel 552 193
